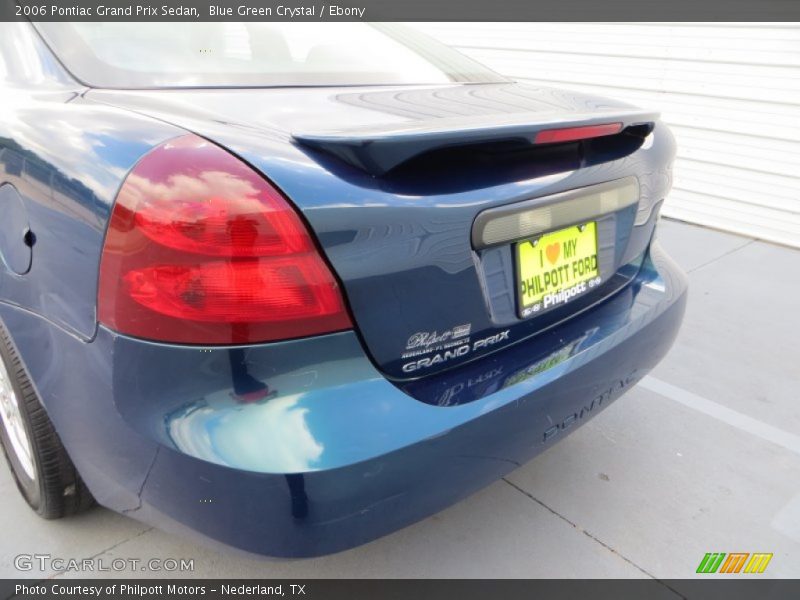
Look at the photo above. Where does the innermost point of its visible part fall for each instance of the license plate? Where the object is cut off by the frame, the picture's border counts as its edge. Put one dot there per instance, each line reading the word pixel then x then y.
pixel 556 267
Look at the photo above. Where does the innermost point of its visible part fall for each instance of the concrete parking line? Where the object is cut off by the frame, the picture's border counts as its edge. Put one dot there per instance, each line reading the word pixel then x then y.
pixel 579 528
pixel 737 345
pixel 734 418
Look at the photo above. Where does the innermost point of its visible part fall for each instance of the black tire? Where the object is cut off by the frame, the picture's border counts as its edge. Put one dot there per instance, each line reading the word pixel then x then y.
pixel 56 489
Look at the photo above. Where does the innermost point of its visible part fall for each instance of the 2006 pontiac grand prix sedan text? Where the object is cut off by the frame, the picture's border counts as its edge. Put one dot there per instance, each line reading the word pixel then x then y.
pixel 295 286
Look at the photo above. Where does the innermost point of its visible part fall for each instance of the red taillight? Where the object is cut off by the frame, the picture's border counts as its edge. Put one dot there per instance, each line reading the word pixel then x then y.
pixel 571 134
pixel 203 250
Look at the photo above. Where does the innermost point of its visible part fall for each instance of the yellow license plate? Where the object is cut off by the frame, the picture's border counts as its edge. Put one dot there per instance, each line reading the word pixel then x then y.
pixel 556 267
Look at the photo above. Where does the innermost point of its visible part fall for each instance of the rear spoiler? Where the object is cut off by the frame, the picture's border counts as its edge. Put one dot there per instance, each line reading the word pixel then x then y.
pixel 379 149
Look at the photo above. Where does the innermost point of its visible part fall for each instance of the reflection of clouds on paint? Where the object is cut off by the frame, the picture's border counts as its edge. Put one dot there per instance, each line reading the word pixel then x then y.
pixel 55 139
pixel 274 436
pixel 270 438
pixel 201 187
pixel 63 138
pixel 187 431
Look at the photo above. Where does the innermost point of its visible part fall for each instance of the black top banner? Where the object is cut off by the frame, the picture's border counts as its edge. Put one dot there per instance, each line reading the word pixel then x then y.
pixel 400 10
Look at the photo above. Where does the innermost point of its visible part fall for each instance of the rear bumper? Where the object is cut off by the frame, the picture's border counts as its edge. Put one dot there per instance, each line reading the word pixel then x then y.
pixel 377 460
pixel 302 448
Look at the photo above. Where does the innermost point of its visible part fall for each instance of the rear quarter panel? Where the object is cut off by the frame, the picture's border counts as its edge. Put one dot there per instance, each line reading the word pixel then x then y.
pixel 65 158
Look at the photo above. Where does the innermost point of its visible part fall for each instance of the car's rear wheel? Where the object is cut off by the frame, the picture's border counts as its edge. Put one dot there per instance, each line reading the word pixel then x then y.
pixel 41 467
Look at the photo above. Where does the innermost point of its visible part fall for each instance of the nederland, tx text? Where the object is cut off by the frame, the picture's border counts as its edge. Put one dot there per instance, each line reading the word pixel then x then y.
pixel 172 590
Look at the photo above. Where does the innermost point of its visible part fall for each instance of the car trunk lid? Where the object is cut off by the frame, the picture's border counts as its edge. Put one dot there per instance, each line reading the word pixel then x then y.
pixel 395 190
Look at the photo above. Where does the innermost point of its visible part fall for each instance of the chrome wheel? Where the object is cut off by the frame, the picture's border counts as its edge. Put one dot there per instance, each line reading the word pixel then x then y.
pixel 14 424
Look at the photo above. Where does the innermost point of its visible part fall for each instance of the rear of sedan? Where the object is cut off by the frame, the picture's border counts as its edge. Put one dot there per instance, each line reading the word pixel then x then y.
pixel 291 295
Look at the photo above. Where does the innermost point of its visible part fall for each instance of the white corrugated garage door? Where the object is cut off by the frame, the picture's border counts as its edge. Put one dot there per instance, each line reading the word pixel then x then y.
pixel 731 93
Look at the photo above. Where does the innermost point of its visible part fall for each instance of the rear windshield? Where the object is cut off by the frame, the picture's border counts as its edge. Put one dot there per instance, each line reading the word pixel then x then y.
pixel 148 55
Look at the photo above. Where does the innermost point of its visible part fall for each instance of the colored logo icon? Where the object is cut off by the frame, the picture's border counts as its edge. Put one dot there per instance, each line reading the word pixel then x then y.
pixel 735 562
